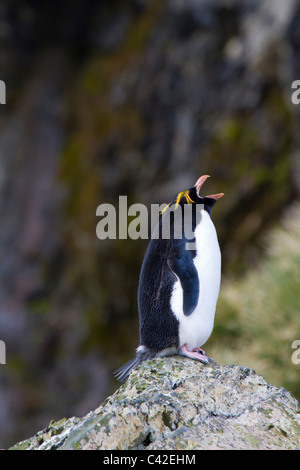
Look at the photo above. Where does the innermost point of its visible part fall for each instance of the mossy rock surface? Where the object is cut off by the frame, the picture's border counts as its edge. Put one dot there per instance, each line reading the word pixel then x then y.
pixel 175 403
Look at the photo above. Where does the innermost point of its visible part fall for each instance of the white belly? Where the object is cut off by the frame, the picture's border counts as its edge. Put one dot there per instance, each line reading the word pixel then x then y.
pixel 195 329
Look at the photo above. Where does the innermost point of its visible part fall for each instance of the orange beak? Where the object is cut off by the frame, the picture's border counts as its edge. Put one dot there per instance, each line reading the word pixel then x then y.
pixel 216 196
pixel 199 183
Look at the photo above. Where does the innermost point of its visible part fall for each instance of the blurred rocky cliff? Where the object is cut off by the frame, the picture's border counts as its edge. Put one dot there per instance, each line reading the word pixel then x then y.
pixel 136 98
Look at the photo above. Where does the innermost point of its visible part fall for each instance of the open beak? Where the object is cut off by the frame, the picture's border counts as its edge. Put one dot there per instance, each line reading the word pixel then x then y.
pixel 199 183
pixel 216 196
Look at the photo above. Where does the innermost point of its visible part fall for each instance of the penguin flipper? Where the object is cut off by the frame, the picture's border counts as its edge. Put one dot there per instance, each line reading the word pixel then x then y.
pixel 181 263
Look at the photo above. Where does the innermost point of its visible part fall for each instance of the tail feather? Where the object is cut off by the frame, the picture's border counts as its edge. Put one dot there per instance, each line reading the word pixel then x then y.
pixel 142 355
pixel 122 373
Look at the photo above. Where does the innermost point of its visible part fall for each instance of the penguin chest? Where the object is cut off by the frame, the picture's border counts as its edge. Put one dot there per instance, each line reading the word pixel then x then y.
pixel 195 329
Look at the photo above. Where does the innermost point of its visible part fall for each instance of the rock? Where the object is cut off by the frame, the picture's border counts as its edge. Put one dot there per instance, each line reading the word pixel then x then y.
pixel 175 403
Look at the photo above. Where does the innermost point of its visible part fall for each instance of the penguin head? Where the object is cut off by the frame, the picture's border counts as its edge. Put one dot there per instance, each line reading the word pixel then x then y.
pixel 192 196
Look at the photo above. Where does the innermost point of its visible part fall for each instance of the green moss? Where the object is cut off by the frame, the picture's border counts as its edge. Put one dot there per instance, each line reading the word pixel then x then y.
pixel 77 446
pixel 253 440
pixel 21 445
pixel 266 411
pixel 56 427
pixel 104 422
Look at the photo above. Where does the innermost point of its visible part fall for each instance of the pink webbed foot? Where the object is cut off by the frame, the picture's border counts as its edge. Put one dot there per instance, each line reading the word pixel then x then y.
pixel 197 353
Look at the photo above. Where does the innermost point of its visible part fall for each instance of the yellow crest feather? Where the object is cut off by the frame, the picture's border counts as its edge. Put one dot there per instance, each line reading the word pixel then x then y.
pixel 180 195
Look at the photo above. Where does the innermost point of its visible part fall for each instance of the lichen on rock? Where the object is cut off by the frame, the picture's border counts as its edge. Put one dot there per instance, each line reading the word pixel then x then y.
pixel 175 403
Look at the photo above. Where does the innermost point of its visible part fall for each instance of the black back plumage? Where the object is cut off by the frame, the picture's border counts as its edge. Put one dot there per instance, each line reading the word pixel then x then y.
pixel 165 259
pixel 158 326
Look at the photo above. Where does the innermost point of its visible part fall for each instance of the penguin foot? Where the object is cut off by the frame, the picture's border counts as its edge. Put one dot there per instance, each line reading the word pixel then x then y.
pixel 197 353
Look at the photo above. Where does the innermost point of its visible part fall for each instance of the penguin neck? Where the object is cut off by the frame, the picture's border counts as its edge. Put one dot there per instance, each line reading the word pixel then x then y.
pixel 197 212
pixel 204 209
pixel 207 209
